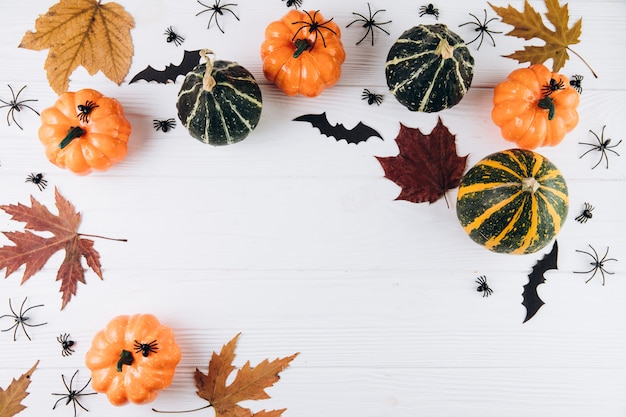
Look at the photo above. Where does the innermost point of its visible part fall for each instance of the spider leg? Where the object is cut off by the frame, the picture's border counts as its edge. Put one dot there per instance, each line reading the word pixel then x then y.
pixel 482 38
pixel 492 40
pixel 602 155
pixel 228 10
pixel 369 29
pixel 59 400
pixel 477 36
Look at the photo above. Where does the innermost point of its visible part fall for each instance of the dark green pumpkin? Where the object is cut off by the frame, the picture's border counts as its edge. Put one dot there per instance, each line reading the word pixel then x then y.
pixel 226 113
pixel 514 201
pixel 429 68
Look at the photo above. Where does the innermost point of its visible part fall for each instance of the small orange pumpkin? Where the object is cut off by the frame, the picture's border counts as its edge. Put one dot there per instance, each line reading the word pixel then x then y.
pixel 302 53
pixel 535 107
pixel 132 359
pixel 85 131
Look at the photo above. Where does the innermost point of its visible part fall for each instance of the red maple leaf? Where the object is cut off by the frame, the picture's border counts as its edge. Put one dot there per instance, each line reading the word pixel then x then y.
pixel 426 166
pixel 33 251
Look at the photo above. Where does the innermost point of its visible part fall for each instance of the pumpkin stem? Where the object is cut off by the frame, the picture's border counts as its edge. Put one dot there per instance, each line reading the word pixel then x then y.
pixel 301 46
pixel 530 185
pixel 548 103
pixel 444 49
pixel 126 358
pixel 73 133
pixel 208 82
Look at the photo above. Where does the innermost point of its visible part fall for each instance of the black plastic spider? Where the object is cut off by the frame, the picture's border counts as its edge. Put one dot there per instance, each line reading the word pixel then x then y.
pixel 84 110
pixel 66 344
pixel 429 9
pixel 294 3
pixel 38 180
pixel 554 85
pixel 164 125
pixel 173 37
pixel 603 146
pixel 216 10
pixel 146 348
pixel 72 394
pixel 314 27
pixel 576 83
pixel 481 28
pixel 597 264
pixel 15 105
pixel 371 97
pixel 20 319
pixel 483 286
pixel 586 214
pixel 369 23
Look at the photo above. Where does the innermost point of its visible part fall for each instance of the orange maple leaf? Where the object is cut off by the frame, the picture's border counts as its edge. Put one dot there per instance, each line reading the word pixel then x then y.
pixel 528 24
pixel 249 383
pixel 83 32
pixel 11 398
pixel 33 251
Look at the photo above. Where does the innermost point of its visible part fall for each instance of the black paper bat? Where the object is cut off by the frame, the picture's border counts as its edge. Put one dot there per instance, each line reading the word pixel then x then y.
pixel 171 72
pixel 359 133
pixel 531 299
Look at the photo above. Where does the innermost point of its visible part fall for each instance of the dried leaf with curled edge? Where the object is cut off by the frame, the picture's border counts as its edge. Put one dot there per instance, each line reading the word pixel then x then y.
pixel 11 398
pixel 427 165
pixel 83 32
pixel 249 383
pixel 529 24
pixel 33 250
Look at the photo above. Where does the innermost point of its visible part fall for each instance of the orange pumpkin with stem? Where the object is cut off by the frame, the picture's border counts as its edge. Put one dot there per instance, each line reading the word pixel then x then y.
pixel 85 131
pixel 132 358
pixel 302 53
pixel 535 107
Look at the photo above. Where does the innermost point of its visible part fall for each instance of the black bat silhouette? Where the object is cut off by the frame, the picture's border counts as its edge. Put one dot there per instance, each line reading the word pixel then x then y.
pixel 531 299
pixel 359 133
pixel 171 72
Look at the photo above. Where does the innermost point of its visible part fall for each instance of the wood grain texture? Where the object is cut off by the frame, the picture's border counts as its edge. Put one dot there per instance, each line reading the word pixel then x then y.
pixel 295 240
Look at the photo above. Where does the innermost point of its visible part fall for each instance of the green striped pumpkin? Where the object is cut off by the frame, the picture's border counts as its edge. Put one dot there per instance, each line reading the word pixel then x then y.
pixel 228 112
pixel 429 68
pixel 514 201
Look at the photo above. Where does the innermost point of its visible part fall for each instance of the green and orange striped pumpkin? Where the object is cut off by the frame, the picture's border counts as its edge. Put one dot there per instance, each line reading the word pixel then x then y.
pixel 514 201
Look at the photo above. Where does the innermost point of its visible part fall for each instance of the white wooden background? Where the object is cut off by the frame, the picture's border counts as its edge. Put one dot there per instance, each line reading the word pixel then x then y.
pixel 295 240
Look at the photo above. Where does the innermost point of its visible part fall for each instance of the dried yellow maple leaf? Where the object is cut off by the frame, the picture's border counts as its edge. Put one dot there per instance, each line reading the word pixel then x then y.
pixel 529 24
pixel 11 398
pixel 83 32
pixel 249 383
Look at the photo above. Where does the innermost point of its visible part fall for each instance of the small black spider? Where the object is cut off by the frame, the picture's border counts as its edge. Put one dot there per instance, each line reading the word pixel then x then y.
pixel 603 146
pixel 216 10
pixel 576 83
pixel 586 214
pixel 72 394
pixel 173 37
pixel 20 319
pixel 314 27
pixel 15 105
pixel 554 85
pixel 294 3
pixel 481 28
pixel 146 348
pixel 38 180
pixel 66 344
pixel 429 9
pixel 483 286
pixel 597 264
pixel 369 23
pixel 84 110
pixel 371 97
pixel 164 125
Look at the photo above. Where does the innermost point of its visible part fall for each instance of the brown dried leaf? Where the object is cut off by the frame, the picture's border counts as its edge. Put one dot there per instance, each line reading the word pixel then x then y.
pixel 426 166
pixel 529 24
pixel 83 32
pixel 11 398
pixel 249 383
pixel 33 251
